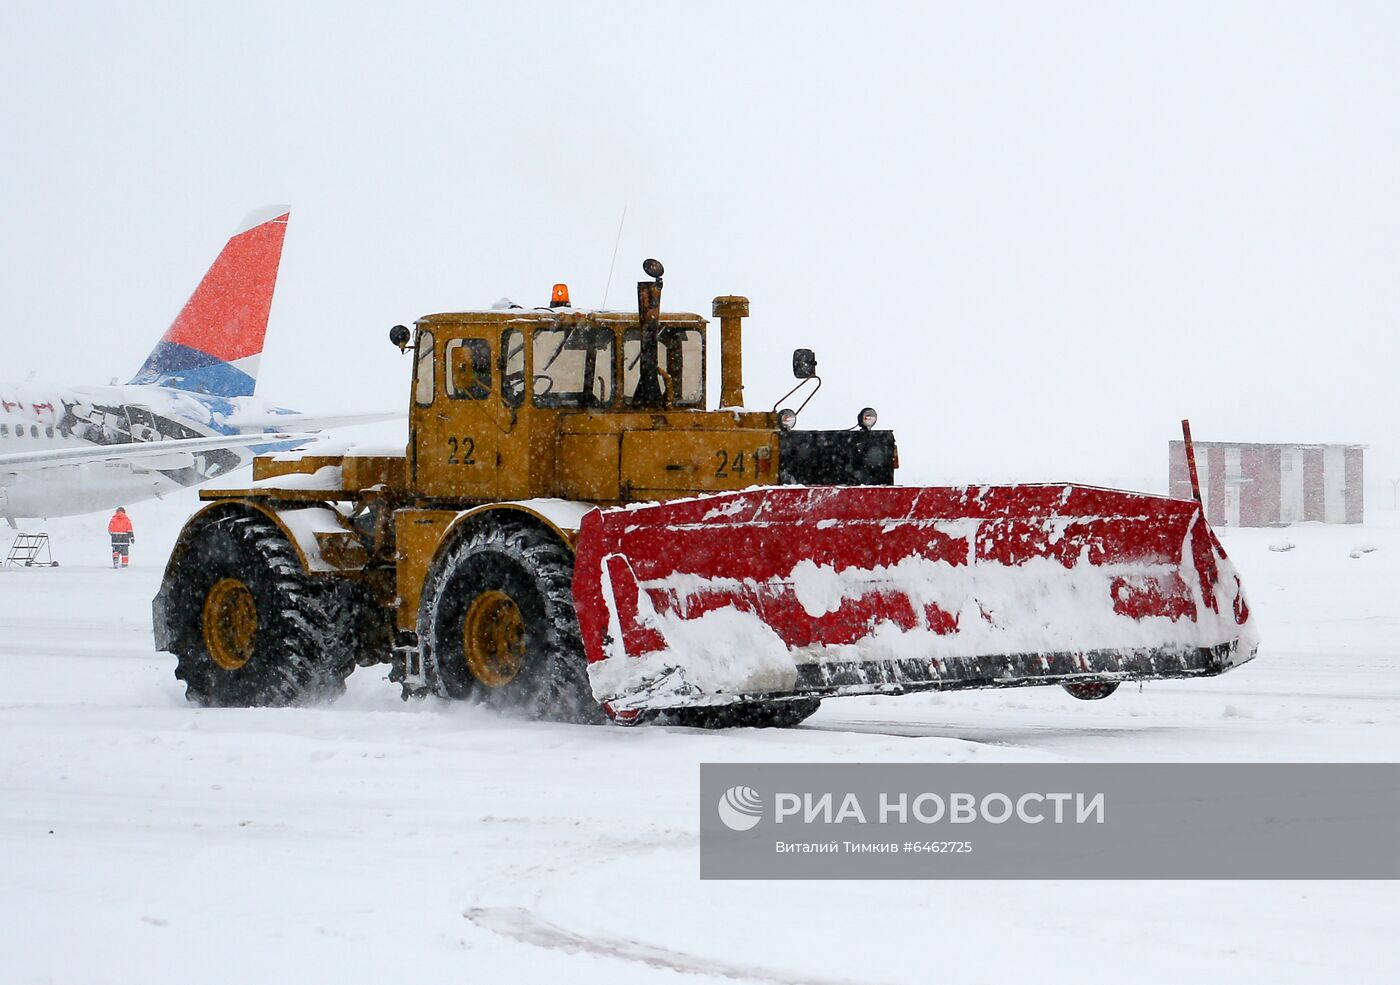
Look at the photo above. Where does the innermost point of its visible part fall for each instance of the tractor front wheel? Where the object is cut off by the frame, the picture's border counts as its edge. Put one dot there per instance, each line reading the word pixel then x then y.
pixel 497 625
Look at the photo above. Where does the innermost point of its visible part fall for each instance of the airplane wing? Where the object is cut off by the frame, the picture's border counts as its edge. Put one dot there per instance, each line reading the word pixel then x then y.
pixel 24 461
pixel 308 422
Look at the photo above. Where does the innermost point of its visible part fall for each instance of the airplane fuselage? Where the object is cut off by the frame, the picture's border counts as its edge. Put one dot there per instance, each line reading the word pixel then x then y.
pixel 34 419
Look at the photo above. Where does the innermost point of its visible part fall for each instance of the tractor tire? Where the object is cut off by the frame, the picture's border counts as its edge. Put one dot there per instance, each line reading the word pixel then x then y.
pixel 498 627
pixel 249 628
pixel 1090 690
pixel 749 714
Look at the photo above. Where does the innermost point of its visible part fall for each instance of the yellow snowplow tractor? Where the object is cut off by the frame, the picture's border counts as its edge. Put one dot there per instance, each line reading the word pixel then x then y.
pixel 573 533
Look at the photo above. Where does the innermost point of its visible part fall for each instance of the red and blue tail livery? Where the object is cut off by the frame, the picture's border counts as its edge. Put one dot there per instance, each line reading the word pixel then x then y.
pixel 214 344
pixel 189 416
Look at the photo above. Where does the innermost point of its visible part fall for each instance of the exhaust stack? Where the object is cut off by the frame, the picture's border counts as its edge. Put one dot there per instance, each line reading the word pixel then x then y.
pixel 649 393
pixel 731 310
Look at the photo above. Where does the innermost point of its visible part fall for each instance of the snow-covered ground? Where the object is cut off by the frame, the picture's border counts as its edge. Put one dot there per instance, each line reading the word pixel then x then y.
pixel 142 840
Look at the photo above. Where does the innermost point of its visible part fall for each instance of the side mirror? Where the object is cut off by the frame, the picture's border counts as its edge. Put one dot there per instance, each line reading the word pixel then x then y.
pixel 804 364
pixel 399 336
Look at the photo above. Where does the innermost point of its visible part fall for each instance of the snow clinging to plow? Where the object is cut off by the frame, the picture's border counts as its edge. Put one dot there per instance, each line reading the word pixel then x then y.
pixel 1042 585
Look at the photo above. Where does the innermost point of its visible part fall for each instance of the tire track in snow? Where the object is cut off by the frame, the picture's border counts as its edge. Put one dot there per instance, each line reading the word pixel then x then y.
pixel 521 925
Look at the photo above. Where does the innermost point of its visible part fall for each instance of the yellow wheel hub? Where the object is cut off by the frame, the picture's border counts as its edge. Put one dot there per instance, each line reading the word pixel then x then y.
pixel 230 623
pixel 493 639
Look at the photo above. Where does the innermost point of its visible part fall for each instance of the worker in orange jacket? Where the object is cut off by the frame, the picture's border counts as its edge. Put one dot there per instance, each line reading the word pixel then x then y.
pixel 119 529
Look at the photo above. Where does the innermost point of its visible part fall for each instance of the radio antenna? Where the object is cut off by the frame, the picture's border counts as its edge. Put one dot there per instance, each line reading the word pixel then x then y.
pixel 616 243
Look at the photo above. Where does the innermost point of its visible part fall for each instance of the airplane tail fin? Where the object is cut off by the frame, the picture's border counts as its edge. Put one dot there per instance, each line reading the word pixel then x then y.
pixel 214 344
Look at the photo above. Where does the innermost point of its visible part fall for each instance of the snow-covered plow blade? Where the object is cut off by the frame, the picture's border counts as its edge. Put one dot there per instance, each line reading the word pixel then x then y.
pixel 810 591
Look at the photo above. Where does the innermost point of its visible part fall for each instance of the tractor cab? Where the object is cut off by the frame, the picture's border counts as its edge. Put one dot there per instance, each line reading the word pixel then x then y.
pixel 522 404
pixel 602 406
pixel 605 407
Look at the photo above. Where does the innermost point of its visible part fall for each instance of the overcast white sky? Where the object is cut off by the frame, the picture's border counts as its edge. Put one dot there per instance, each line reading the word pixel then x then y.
pixel 1034 236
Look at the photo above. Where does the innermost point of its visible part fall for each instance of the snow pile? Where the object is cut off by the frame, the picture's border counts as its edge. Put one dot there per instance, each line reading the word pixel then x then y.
pixel 327 477
pixel 722 652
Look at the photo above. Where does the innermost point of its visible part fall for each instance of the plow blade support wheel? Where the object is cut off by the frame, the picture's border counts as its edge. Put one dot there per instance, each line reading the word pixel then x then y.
pixel 802 590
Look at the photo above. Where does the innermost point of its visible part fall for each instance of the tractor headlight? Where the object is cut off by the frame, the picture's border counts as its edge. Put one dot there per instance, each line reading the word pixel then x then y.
pixel 867 418
pixel 787 419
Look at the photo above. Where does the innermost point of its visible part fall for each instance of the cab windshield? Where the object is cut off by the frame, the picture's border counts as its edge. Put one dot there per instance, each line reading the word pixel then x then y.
pixel 573 367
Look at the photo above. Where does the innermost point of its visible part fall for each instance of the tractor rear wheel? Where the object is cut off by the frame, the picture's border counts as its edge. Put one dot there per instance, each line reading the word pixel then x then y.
pixel 497 624
pixel 248 627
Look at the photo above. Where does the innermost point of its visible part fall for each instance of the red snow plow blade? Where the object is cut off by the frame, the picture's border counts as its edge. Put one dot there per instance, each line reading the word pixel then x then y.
pixel 820 590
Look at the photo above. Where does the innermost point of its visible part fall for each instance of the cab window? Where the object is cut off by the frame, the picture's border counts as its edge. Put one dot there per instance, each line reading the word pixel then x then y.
pixel 573 367
pixel 468 369
pixel 513 366
pixel 680 354
pixel 423 369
